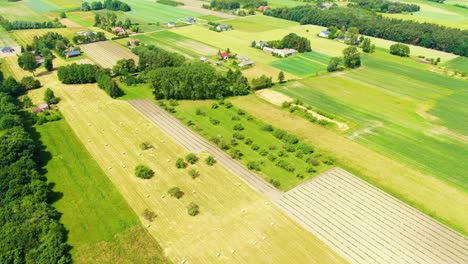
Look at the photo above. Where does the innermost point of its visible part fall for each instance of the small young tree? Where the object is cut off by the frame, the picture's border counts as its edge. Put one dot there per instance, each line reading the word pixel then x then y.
pixel 193 209
pixel 149 215
pixel 28 62
pixel 253 44
pixel 335 64
pixel 144 172
pixel 145 145
pixel 63 15
pixel 281 77
pixel 180 163
pixel 366 45
pixel 191 158
pixel 193 173
pixel 210 160
pixel 30 83
pixel 351 57
pixel 48 64
pixel 175 192
pixel 49 97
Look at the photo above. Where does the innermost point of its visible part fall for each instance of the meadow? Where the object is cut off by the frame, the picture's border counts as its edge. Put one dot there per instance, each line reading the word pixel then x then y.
pixel 265 150
pixel 18 11
pixel 303 65
pixel 41 6
pixel 107 53
pixel 154 12
pixel 5 39
pixel 460 64
pixel 93 211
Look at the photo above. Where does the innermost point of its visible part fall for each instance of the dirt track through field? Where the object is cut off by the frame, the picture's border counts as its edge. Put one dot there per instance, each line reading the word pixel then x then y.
pixel 366 225
pixel 195 143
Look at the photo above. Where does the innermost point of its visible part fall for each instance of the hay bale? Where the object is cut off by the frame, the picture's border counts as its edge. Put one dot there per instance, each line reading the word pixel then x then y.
pixel 147 196
pixel 110 168
pixel 162 196
pixel 193 191
pixel 264 237
pixel 267 203
pixel 148 225
pixel 139 154
pixel 183 261
pixel 232 251
pixel 255 242
pixel 238 184
pixel 124 166
pixel 217 255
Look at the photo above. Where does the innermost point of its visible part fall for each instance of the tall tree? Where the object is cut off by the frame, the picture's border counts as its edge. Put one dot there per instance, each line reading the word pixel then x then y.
pixel 351 57
pixel 28 62
pixel 281 77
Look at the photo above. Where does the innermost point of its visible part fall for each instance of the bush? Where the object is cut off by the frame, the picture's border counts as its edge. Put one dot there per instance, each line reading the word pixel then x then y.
pixel 238 135
pixel 281 153
pixel 285 165
pixel 180 163
pixel 399 49
pixel 235 118
pixel 267 128
pixel 200 112
pixel 149 215
pixel 235 154
pixel 234 142
pixel 255 147
pixel 240 112
pixel 272 157
pixel 299 176
pixel 145 145
pixel 190 123
pixel 299 154
pixel 263 152
pixel 329 161
pixel 214 121
pixel 191 158
pixel 228 105
pixel 306 149
pixel 49 97
pixel 144 172
pixel 275 183
pixel 193 173
pixel 173 102
pixel 238 127
pixel 252 165
pixel 30 83
pixel 311 170
pixel 289 147
pixel 214 105
pixel 175 192
pixel 248 141
pixel 210 160
pixel 193 209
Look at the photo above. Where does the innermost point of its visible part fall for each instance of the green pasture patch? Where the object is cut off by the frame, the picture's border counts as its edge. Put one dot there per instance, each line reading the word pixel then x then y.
pixel 211 18
pixel 301 65
pixel 41 6
pixel 154 12
pixel 460 64
pixel 259 23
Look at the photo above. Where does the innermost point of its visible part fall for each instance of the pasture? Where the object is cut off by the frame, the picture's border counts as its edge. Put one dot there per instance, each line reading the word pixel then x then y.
pixel 460 64
pixel 5 39
pixel 236 224
pixel 265 151
pixel 26 36
pixel 107 53
pixel 18 11
pixel 154 12
pixel 303 65
pixel 41 6
pixel 86 19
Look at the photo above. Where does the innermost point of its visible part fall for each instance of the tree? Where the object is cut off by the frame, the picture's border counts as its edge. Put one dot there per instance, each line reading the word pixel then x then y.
pixel 144 172
pixel 48 64
pixel 124 67
pixel 262 82
pixel 193 209
pixel 366 45
pixel 63 15
pixel 335 64
pixel 281 77
pixel 85 6
pixel 351 57
pixel 28 62
pixel 210 160
pixel 180 163
pixel 30 83
pixel 191 158
pixel 49 97
pixel 399 49
pixel 253 44
pixel 175 192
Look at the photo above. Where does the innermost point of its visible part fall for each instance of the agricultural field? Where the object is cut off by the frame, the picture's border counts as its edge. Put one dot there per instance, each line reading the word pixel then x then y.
pixel 303 65
pixel 41 6
pixel 258 149
pixel 154 12
pixel 6 40
pixel 365 224
pixel 18 10
pixel 459 64
pixel 26 36
pixel 107 53
pixel 80 185
pixel 86 19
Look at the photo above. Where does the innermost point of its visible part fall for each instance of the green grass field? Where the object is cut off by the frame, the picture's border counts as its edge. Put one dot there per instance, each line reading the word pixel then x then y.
pixel 5 39
pixel 270 149
pixel 393 117
pixel 154 12
pixel 460 64
pixel 19 11
pixel 303 65
pixel 86 19
pixel 42 6
pixel 93 211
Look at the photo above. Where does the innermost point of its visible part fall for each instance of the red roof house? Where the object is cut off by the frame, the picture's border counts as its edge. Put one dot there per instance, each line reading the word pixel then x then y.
pixel 262 8
pixel 224 55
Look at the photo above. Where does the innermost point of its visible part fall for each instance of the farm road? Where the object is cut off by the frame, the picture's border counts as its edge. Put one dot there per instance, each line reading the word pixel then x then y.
pixel 195 143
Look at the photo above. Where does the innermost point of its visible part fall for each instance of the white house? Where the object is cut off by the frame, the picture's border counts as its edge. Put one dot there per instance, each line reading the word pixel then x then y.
pixel 324 34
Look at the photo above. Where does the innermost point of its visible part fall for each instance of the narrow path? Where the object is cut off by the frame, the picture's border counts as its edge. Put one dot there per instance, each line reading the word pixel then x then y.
pixel 195 143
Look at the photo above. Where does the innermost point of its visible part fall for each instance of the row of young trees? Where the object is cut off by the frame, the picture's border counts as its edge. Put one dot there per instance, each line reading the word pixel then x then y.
pixel 114 5
pixel 108 20
pixel 384 6
pixel 19 24
pixel 422 34
pixel 30 229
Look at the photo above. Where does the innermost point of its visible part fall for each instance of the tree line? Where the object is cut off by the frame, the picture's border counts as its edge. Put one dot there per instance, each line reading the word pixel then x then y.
pixel 31 231
pixel 384 6
pixel 19 24
pixel 421 34
pixel 114 5
pixel 292 41
pixel 236 4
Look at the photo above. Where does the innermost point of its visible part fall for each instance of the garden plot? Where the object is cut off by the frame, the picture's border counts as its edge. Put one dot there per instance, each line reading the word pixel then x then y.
pixel 366 225
pixel 106 53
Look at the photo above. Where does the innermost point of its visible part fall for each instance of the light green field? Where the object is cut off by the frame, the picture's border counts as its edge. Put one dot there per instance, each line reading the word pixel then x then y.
pixel 154 12
pixel 303 65
pixel 211 18
pixel 41 6
pixel 460 64
pixel 26 36
pixel 93 212
pixel 259 23
pixel 282 3
pixel 86 19
pixel 186 110
pixel 5 39
pixel 19 11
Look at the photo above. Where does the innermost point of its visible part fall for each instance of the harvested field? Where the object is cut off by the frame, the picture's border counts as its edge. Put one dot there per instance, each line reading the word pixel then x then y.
pixel 69 23
pixel 366 225
pixel 106 53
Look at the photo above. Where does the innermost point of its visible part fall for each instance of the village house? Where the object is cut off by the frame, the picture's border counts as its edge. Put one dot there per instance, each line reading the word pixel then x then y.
pixel 242 58
pixel 39 59
pixel 190 20
pixel 224 55
pixel 246 63
pixel 325 34
pixel 203 59
pixel 41 108
pixel 262 44
pixel 268 50
pixel 222 27
pixel 285 52
pixel 118 30
pixel 171 24
pixel 73 53
pixel 262 8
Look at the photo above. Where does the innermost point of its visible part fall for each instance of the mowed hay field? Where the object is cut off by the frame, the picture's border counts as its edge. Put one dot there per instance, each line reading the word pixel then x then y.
pixel 235 221
pixel 107 53
pixel 303 64
pixel 155 12
pixel 429 194
pixel 26 36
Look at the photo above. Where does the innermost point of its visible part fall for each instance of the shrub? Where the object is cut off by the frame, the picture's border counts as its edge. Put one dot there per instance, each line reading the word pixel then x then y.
pixel 329 161
pixel 228 105
pixel 180 163
pixel 279 134
pixel 290 139
pixel 252 165
pixel 234 142
pixel 223 145
pixel 214 121
pixel 285 165
pixel 272 157
pixel 240 112
pixel 29 83
pixel 145 145
pixel 289 147
pixel 267 128
pixel 238 127
pixel 190 123
pixel 248 141
pixel 306 149
pixel 200 112
pixel 193 209
pixel 311 170
pixel 193 173
pixel 214 105
pixel 275 183
pixel 144 172
pixel 149 215
pixel 255 147
pixel 191 158
pixel 238 135
pixel 235 154
pixel 299 176
pixel 299 154
pixel 263 152
pixel 281 153
pixel 235 118
pixel 210 160
pixel 175 192
pixel 173 102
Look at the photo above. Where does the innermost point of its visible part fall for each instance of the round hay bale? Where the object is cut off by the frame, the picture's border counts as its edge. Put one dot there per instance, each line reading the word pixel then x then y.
pixel 232 251
pixel 110 168
pixel 255 242
pixel 267 203
pixel 162 196
pixel 264 237
pixel 193 191
pixel 124 166
pixel 217 255
pixel 147 196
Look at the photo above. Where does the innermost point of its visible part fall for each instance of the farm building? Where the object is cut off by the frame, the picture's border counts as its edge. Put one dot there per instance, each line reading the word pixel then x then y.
pixel 324 34
pixel 224 55
pixel 218 63
pixel 262 8
pixel 74 53
pixel 222 27
pixel 268 50
pixel 190 20
pixel 203 59
pixel 118 30
pixel 246 63
pixel 39 59
pixel 285 52
pixel 262 44
pixel 8 50
pixel 242 58
pixel 171 24
pixel 41 108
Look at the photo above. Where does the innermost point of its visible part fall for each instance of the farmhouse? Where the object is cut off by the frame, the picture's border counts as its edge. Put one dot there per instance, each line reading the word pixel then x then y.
pixel 171 24
pixel 8 50
pixel 222 27
pixel 246 63
pixel 39 59
pixel 41 108
pixel 74 53
pixel 224 55
pixel 218 63
pixel 285 52
pixel 204 60
pixel 324 34
pixel 268 50
pixel 262 8
pixel 118 30
pixel 242 58
pixel 190 20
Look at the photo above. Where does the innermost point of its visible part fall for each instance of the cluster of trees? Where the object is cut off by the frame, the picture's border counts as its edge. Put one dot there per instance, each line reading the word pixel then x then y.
pixel 106 83
pixel 78 73
pixel 170 2
pixel 422 34
pixel 42 45
pixel 114 5
pixel 349 36
pixel 152 57
pixel 236 4
pixel 109 20
pixel 18 24
pixel 263 82
pixel 351 59
pixel 124 67
pixel 399 49
pixel 292 41
pixel 31 231
pixel 12 87
pixel 384 6
pixel 89 38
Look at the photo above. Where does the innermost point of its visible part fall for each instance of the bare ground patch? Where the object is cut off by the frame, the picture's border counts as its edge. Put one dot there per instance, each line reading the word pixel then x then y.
pixel 107 53
pixel 69 23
